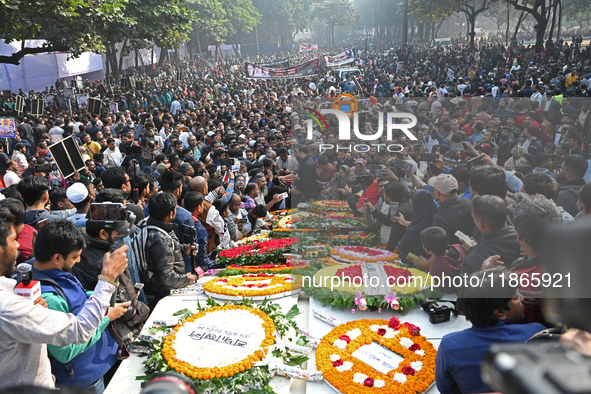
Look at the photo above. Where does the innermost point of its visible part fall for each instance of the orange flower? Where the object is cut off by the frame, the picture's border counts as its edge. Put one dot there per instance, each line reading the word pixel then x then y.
pixel 169 353
pixel 343 381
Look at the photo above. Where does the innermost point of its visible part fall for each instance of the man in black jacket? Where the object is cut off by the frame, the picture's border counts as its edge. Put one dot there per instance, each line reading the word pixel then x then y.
pixel 454 213
pixel 570 178
pixel 307 185
pixel 163 251
pixel 490 216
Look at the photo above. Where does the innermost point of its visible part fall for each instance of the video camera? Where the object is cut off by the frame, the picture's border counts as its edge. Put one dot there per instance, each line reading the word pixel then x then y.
pixel 548 366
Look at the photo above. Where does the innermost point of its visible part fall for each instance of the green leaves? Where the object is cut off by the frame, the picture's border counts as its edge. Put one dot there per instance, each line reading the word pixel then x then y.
pixel 293 312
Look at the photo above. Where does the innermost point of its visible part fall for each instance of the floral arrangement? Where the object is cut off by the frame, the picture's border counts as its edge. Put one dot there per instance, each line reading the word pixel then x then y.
pixel 256 253
pixel 363 253
pixel 266 322
pixel 264 236
pixel 327 223
pixel 350 375
pixel 329 205
pixel 249 285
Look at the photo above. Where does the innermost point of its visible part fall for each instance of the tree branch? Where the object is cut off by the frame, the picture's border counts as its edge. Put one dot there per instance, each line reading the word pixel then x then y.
pixel 17 56
pixel 531 11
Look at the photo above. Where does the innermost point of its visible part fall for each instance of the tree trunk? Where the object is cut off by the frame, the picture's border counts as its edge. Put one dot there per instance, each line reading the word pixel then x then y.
pixel 162 58
pixel 559 20
pixel 521 18
pixel 551 34
pixel 540 32
pixel 472 26
pixel 508 23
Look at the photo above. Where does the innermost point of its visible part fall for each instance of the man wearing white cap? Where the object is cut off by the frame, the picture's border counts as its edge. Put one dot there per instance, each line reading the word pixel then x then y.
pixel 454 213
pixel 81 199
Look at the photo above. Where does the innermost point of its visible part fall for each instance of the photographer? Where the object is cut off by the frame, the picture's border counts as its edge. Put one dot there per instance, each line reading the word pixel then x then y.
pixel 57 249
pixel 491 308
pixel 159 250
pixel 100 238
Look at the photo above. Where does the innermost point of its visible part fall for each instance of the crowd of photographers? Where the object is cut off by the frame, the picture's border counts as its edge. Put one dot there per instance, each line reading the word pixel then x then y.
pixel 194 164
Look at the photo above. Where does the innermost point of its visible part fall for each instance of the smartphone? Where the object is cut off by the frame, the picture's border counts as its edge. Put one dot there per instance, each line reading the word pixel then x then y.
pixel 457 146
pixel 138 286
pixel 428 157
pixel 107 212
pixel 284 195
pixel 402 164
pixel 378 173
pixel 394 210
pixel 475 161
pixel 413 258
pixel 465 238
pixel 242 221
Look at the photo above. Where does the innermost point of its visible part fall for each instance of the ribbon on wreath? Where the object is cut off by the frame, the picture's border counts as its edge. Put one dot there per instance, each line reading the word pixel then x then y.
pixel 360 302
pixel 391 302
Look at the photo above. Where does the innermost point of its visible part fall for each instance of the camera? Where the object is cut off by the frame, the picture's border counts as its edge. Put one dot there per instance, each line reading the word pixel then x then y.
pixel 438 313
pixel 169 383
pixel 428 157
pixel 42 168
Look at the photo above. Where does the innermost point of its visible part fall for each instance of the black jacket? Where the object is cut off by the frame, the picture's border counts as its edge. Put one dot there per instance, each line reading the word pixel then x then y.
pixel 502 241
pixel 165 260
pixel 307 184
pixel 454 215
pixel 569 195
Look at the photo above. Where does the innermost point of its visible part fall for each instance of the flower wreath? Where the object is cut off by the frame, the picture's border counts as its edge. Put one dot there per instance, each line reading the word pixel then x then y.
pixel 217 372
pixel 249 285
pixel 329 205
pixel 349 375
pixel 363 253
pixel 245 375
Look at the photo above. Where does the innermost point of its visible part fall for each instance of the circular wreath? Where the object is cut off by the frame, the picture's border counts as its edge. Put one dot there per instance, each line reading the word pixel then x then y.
pixel 169 353
pixel 402 280
pixel 363 253
pixel 347 374
pixel 330 205
pixel 249 285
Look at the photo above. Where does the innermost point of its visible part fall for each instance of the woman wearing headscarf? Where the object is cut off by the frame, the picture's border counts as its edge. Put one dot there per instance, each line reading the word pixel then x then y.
pixel 424 209
pixel 343 177
pixel 359 166
pixel 516 154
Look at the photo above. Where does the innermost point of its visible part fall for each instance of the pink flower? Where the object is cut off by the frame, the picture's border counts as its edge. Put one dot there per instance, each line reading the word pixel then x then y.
pixel 381 331
pixel 414 347
pixel 337 363
pixel 368 382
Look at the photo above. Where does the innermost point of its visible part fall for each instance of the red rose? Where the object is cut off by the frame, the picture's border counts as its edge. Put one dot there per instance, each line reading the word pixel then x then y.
pixel 337 363
pixel 381 331
pixel 414 347
pixel 345 338
pixel 368 382
pixel 408 370
pixel 394 323
pixel 414 330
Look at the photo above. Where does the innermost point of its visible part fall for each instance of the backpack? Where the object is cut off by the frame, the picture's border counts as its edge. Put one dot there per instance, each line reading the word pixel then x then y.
pixel 138 245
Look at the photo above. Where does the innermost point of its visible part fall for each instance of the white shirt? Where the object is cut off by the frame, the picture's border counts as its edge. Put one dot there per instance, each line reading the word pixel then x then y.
pixel 11 178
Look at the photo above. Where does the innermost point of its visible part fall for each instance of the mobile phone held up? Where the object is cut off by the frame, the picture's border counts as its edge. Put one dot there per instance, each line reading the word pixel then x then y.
pixel 394 210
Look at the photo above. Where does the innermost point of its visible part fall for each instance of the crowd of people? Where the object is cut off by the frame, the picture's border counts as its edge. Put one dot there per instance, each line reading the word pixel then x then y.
pixel 500 153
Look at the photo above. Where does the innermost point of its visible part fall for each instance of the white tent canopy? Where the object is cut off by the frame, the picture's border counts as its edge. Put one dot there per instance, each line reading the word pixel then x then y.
pixel 35 72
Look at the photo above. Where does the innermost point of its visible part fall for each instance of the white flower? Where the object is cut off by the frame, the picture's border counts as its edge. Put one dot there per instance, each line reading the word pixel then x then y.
pixel 390 333
pixel 340 344
pixel 399 377
pixel 420 352
pixel 406 342
pixel 378 383
pixel 354 333
pixel 374 327
pixel 347 365
pixel 334 357
pixel 359 377
pixel 417 365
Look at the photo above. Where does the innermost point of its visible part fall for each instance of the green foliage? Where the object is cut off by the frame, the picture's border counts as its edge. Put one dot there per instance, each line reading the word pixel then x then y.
pixel 241 15
pixel 432 11
pixel 336 12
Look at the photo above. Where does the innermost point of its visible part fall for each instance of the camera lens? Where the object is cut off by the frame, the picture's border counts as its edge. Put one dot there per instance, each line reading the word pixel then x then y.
pixel 169 383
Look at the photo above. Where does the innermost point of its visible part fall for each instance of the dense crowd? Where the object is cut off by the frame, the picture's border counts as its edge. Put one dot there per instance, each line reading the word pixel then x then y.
pixel 199 157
